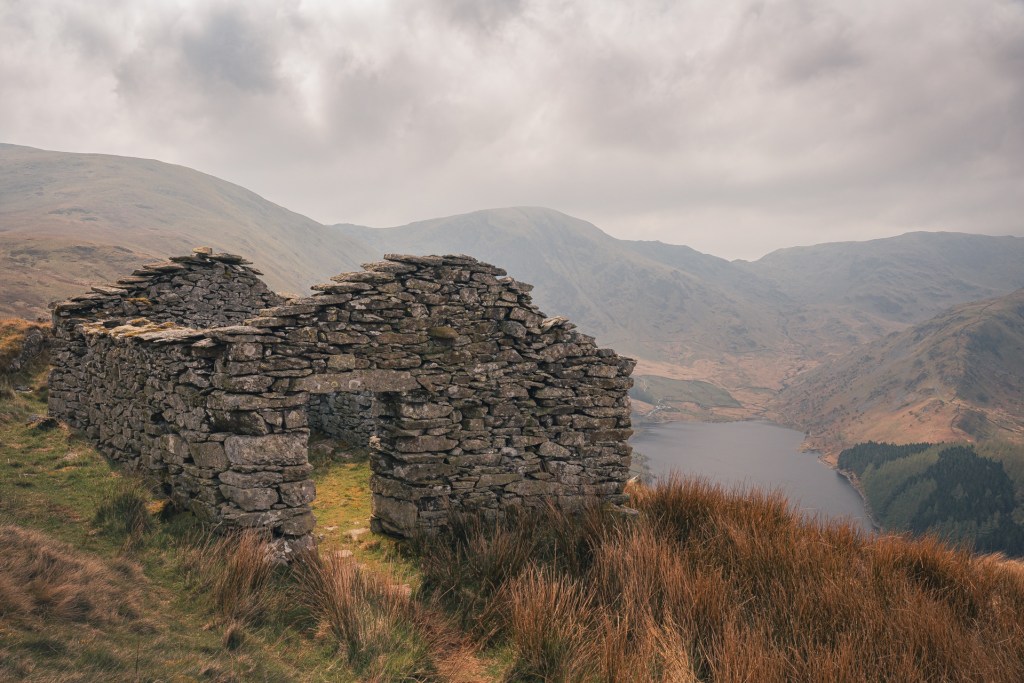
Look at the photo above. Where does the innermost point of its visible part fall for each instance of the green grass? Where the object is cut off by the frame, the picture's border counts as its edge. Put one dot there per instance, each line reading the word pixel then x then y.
pixel 342 509
pixel 205 607
pixel 53 482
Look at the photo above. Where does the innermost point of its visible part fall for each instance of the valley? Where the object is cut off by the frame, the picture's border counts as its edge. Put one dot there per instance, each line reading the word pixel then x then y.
pixel 917 338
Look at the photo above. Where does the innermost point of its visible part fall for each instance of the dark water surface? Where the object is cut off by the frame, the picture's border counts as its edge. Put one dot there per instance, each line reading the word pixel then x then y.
pixel 751 454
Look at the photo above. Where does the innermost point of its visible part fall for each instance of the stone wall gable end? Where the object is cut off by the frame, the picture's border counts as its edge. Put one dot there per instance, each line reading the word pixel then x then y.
pixel 467 396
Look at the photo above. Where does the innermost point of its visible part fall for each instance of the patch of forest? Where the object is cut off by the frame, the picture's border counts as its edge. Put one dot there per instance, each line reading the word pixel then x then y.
pixel 950 490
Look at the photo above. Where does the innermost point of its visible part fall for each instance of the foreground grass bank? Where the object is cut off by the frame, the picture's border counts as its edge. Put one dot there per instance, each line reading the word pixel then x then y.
pixel 101 581
pixel 707 585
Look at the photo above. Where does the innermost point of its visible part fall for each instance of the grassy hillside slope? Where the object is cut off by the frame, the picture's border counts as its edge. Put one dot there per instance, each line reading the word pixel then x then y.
pixel 958 376
pixel 101 581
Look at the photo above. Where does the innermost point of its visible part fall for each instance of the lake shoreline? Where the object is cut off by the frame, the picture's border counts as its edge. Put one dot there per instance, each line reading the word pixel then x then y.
pixel 755 453
pixel 854 481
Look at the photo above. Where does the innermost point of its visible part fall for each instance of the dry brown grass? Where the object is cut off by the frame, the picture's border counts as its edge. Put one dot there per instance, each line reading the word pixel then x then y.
pixel 715 586
pixel 376 627
pixel 15 367
pixel 237 570
pixel 41 577
pixel 374 622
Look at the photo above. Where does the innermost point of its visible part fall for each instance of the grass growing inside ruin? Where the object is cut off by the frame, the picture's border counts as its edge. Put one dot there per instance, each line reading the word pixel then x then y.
pixel 342 504
pixel 342 508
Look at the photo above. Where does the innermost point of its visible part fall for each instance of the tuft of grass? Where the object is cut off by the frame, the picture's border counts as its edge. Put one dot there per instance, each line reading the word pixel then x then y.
pixel 237 570
pixel 471 562
pixel 373 622
pixel 549 619
pixel 125 513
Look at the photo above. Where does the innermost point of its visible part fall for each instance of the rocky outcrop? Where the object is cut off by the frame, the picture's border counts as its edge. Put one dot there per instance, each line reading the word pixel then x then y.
pixel 468 397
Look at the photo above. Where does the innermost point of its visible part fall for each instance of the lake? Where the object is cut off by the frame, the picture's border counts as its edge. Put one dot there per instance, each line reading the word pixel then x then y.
pixel 751 454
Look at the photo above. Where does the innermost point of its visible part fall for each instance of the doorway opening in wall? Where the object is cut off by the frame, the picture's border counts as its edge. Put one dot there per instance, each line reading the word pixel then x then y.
pixel 341 425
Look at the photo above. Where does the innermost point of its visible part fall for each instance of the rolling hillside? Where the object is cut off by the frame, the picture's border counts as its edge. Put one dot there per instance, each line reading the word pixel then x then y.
pixel 957 376
pixel 905 279
pixel 615 289
pixel 68 220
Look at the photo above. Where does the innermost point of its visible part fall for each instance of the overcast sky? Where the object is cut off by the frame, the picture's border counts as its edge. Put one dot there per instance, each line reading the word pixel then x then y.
pixel 733 127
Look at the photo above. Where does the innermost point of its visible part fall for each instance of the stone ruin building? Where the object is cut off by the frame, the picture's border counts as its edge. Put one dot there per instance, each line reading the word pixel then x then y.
pixel 194 372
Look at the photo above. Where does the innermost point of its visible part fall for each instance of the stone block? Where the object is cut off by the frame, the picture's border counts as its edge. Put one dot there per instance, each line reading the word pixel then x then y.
pixel 487 480
pixel 393 488
pixel 424 411
pixel 209 454
pixel 394 515
pixel 297 493
pixel 245 351
pixel 272 449
pixel 342 361
pixel 175 444
pixel 530 487
pixel 297 472
pixel 357 380
pixel 550 449
pixel 250 480
pixel 229 402
pixel 248 384
pixel 299 525
pixel 250 500
pixel 425 444
pixel 424 472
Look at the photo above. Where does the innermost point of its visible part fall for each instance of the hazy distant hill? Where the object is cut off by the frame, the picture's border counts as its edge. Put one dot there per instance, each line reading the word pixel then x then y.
pixel 630 295
pixel 959 375
pixel 71 219
pixel 904 279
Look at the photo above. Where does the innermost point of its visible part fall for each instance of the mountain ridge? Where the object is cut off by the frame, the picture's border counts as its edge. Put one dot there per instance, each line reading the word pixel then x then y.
pixel 71 220
pixel 958 376
pixel 62 213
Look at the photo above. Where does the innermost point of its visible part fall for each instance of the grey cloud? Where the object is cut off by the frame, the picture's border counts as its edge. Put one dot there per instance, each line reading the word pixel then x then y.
pixel 481 16
pixel 733 127
pixel 229 48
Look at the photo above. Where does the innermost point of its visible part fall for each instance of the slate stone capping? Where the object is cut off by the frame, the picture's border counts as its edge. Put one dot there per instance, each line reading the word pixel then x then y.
pixel 466 395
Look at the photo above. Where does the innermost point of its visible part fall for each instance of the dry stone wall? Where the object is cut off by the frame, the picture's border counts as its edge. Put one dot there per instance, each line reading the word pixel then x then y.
pixel 467 396
pixel 343 415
